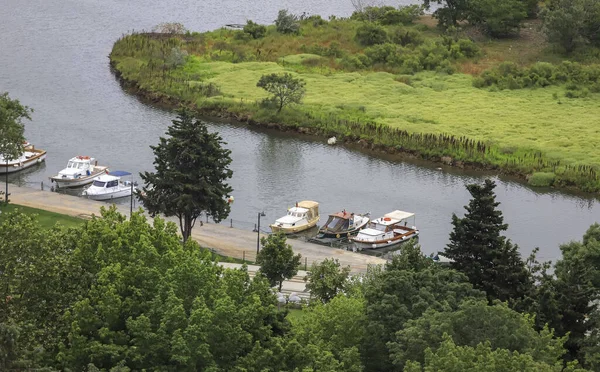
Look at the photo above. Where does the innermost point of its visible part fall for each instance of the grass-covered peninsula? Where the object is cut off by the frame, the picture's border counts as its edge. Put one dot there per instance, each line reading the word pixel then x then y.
pixel 403 85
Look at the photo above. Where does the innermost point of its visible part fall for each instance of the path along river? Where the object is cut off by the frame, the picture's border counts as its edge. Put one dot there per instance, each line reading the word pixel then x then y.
pixel 53 57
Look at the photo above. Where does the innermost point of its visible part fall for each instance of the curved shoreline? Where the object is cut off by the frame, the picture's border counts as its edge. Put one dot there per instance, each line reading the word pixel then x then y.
pixel 168 102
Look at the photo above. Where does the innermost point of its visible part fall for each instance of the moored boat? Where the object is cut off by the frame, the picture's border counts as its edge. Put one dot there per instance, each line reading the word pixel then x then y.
pixel 80 171
pixel 30 157
pixel 299 218
pixel 386 231
pixel 109 186
pixel 342 225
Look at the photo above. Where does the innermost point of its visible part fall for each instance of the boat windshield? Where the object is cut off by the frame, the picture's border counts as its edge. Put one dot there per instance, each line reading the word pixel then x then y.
pixel 377 226
pixel 99 183
pixel 113 183
pixel 295 214
pixel 71 165
pixel 336 223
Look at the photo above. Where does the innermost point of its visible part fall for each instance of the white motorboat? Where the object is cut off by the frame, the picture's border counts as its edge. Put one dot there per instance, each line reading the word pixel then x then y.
pixel 299 218
pixel 30 157
pixel 80 170
pixel 386 231
pixel 109 186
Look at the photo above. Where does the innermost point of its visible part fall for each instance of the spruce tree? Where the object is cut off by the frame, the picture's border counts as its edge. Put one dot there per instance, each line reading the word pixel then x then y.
pixel 490 261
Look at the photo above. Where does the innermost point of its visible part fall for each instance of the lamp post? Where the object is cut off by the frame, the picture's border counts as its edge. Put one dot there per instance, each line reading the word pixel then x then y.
pixel 6 178
pixel 260 214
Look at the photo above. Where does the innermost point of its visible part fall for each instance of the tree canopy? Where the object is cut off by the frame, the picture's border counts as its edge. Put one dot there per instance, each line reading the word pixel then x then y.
pixel 192 169
pixel 284 87
pixel 277 260
pixel 12 128
pixel 492 263
pixel 326 279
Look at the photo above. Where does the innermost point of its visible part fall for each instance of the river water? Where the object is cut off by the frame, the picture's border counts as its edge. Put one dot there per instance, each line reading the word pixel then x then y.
pixel 53 57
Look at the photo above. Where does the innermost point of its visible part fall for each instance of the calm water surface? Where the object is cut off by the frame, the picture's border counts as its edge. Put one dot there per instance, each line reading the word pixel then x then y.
pixel 53 57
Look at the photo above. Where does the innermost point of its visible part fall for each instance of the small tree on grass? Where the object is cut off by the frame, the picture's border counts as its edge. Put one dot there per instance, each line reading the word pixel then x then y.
pixel 327 279
pixel 492 263
pixel 277 260
pixel 255 30
pixel 287 23
pixel 192 168
pixel 284 88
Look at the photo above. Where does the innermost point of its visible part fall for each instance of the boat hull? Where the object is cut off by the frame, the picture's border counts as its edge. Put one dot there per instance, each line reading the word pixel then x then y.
pixel 63 183
pixel 111 195
pixel 16 167
pixel 384 243
pixel 294 229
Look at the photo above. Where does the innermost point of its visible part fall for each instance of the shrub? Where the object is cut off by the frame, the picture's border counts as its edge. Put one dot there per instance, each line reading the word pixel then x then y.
pixel 287 23
pixel 255 30
pixel 404 37
pixel 177 57
pixel 380 53
pixel 170 28
pixel 499 18
pixel 468 48
pixel 353 62
pixel 411 13
pixel 334 50
pixel 370 34
pixel 315 20
pixel 541 179
pixel 371 13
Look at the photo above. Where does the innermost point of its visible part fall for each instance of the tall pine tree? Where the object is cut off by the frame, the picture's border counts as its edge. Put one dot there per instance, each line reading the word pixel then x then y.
pixel 490 261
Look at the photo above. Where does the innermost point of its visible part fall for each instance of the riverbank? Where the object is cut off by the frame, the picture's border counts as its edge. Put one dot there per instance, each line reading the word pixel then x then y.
pixel 223 240
pixel 434 115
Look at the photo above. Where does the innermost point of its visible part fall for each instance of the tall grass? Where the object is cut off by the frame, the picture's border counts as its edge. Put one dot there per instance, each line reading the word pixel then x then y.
pixel 430 114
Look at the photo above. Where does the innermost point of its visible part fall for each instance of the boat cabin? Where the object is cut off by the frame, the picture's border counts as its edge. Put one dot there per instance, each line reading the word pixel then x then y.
pixel 340 221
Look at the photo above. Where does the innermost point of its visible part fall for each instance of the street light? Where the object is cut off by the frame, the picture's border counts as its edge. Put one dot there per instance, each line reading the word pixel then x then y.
pixel 260 214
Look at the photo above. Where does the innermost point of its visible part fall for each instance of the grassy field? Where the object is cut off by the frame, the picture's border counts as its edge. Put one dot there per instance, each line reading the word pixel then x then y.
pixel 524 130
pixel 45 218
pixel 564 129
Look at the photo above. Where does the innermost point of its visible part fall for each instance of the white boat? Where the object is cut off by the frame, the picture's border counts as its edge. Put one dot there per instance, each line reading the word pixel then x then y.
pixel 109 186
pixel 30 157
pixel 386 231
pixel 80 170
pixel 299 218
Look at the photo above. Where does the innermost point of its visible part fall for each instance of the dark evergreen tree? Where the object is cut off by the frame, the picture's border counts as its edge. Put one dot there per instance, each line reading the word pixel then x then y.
pixel 490 261
pixel 192 168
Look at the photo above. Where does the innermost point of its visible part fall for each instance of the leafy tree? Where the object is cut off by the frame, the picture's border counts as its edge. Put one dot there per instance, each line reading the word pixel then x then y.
pixel 12 129
pixel 564 22
pixel 255 30
pixel 473 323
pixel 284 87
pixel 370 34
pixel 287 23
pixel 408 286
pixel 450 13
pixel 327 279
pixel 192 168
pixel 482 357
pixel 500 18
pixel 277 260
pixel 492 263
pixel 328 334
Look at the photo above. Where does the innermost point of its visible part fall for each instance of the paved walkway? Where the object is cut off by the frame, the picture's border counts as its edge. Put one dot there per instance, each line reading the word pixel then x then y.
pixel 222 239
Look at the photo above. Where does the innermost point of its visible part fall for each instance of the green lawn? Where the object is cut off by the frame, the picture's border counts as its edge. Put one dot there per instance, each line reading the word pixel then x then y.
pixel 295 314
pixel 46 219
pixel 565 129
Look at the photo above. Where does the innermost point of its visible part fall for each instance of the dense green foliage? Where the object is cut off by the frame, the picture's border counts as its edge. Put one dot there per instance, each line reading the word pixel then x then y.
pixel 192 168
pixel 327 279
pixel 499 18
pixel 490 261
pixel 12 128
pixel 277 259
pixel 118 295
pixel 572 23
